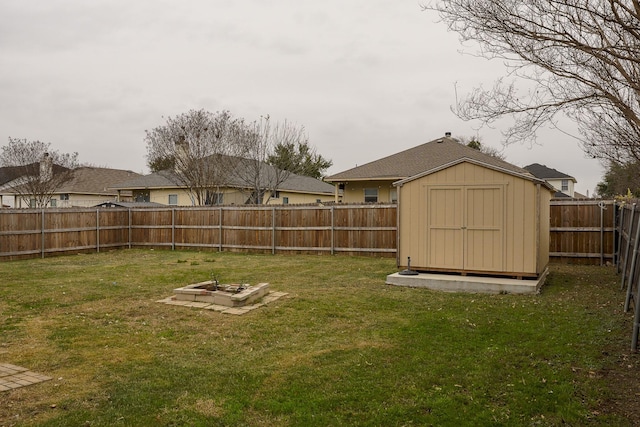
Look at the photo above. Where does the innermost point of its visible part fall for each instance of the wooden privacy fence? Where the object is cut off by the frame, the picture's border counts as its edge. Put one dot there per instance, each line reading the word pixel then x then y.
pixel 582 231
pixel 628 263
pixel 349 229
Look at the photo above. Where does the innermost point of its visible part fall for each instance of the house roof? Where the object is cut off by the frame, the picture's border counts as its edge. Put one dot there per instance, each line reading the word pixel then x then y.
pixel 544 172
pixel 94 180
pixel 426 157
pixel 168 179
pixel 11 173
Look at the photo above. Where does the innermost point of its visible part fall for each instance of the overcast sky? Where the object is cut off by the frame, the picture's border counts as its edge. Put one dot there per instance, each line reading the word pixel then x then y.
pixel 366 78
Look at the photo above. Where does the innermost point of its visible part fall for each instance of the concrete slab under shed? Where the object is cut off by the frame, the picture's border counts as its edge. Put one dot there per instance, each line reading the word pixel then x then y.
pixel 471 284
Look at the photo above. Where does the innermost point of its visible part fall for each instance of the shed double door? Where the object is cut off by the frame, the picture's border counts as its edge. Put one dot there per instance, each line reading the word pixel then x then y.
pixel 465 227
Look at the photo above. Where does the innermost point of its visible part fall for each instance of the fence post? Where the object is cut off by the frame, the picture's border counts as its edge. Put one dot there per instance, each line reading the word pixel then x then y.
pixel 173 229
pixel 632 271
pixel 220 229
pixel 636 323
pixel 42 236
pixel 602 207
pixel 130 232
pixel 333 231
pixel 273 230
pixel 98 230
pixel 616 258
pixel 626 251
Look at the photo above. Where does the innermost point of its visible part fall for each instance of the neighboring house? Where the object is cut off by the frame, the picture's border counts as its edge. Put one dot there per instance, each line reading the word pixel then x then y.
pixel 8 177
pixel 88 186
pixel 14 176
pixel 563 183
pixel 128 205
pixel 373 182
pixel 163 187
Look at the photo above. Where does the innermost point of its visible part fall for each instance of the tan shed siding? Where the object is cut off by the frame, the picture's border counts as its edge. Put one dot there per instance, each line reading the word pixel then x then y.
pixel 410 218
pixel 516 220
pixel 469 217
pixel 444 218
pixel 485 228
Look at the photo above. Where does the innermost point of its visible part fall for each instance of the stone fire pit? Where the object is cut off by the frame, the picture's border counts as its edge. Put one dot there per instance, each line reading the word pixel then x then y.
pixel 234 295
pixel 228 299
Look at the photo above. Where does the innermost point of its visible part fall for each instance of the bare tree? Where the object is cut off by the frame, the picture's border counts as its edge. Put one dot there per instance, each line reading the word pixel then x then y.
pixel 196 150
pixel 580 57
pixel 259 141
pixel 38 170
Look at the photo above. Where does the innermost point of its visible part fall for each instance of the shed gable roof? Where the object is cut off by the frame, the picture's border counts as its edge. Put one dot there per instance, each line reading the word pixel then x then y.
pixel 527 176
pixel 416 160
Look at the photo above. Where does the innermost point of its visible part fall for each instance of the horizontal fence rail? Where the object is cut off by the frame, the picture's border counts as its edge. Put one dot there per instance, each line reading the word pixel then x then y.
pixel 581 231
pixel 628 266
pixel 348 229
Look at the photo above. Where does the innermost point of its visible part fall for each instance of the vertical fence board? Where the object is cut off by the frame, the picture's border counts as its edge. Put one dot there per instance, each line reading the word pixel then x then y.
pixel 582 231
pixel 576 233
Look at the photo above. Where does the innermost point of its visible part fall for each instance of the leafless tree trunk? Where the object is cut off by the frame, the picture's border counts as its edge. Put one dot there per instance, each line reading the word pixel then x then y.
pixel 258 141
pixel 38 170
pixel 197 149
pixel 581 58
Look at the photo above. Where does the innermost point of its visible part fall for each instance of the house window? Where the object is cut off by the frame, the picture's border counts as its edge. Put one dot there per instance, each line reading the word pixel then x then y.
pixel 64 197
pixel 371 195
pixel 173 199
pixel 275 194
pixel 141 196
pixel 54 203
pixel 285 200
pixel 32 203
pixel 393 195
pixel 565 185
pixel 214 198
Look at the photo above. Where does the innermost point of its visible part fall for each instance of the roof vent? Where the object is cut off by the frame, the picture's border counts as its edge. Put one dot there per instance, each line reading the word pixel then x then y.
pixel 447 134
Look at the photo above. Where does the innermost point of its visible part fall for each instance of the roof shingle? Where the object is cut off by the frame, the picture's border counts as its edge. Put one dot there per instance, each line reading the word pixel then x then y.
pixel 419 159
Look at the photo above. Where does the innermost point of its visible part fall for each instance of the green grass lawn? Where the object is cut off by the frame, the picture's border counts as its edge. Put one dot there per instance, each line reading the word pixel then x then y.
pixel 342 348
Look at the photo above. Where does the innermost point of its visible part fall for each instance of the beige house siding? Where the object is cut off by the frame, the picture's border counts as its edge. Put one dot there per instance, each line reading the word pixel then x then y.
pixel 235 197
pixel 472 218
pixel 74 200
pixel 354 191
pixel 557 184
pixel 230 197
pixel 300 198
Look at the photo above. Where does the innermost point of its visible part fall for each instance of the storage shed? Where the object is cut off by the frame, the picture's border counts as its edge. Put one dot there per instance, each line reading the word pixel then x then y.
pixel 474 215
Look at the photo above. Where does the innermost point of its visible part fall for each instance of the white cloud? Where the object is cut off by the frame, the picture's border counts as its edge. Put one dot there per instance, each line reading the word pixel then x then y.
pixel 366 78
